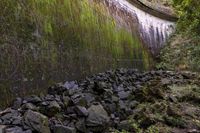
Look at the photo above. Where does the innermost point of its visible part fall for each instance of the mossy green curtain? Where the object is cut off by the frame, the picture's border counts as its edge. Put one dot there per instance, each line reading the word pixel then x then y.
pixel 53 40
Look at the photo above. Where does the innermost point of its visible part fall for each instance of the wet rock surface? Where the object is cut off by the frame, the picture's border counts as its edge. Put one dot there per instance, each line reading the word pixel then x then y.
pixel 122 99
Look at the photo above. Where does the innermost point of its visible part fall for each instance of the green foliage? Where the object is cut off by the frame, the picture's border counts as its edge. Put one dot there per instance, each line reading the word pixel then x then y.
pixel 176 122
pixel 182 53
pixel 152 129
pixel 189 12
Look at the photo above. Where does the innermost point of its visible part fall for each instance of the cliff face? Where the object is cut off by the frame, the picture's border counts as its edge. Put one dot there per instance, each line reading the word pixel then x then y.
pixel 45 41
pixel 160 5
pixel 152 26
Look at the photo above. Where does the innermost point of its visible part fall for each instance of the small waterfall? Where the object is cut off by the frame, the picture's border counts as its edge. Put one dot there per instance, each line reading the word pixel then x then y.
pixel 152 30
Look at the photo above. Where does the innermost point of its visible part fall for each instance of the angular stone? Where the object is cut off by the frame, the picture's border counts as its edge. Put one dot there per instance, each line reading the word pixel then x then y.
pixel 122 105
pixel 165 81
pixel 53 108
pixel 124 95
pixel 115 99
pixel 98 117
pixel 17 120
pixel 2 128
pixel 34 99
pixel 79 99
pixel 64 129
pixel 173 98
pixel 27 131
pixel 81 111
pixel 70 85
pixel 50 97
pixel 110 107
pixel 89 98
pixel 100 87
pixel 133 104
pixel 14 130
pixel 37 121
pixel 124 125
pixel 8 118
pixel 17 103
pixel 80 126
pixel 66 101
pixel 119 88
pixel 29 106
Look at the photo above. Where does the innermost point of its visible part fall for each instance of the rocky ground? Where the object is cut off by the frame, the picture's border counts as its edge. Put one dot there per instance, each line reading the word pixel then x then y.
pixel 122 100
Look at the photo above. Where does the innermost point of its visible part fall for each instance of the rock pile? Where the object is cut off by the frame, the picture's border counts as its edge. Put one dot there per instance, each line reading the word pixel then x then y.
pixel 94 105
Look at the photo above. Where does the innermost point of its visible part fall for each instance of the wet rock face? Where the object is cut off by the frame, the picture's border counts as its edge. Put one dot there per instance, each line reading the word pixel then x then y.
pixel 95 104
pixel 152 27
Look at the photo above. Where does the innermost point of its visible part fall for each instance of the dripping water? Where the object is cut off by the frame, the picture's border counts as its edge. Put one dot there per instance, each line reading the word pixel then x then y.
pixel 153 31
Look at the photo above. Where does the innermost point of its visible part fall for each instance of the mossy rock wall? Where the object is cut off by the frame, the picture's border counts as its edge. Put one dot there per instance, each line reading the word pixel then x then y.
pixel 48 41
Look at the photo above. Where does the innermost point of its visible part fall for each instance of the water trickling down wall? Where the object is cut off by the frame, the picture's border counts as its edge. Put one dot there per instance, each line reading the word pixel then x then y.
pixel 43 42
pixel 153 31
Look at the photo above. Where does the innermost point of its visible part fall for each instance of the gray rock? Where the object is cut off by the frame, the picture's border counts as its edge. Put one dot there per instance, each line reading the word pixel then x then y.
pixel 124 125
pixel 10 116
pixel 81 111
pixel 133 104
pixel 115 99
pixel 66 100
pixel 27 131
pixel 98 117
pixel 17 103
pixel 173 98
pixel 17 120
pixel 110 107
pixel 79 99
pixel 53 108
pixel 89 98
pixel 29 106
pixel 44 103
pixel 80 126
pixel 7 118
pixel 2 128
pixel 119 88
pixel 100 87
pixel 123 95
pixel 64 129
pixel 122 105
pixel 34 99
pixel 70 110
pixel 14 130
pixel 49 97
pixel 37 121
pixel 165 81
pixel 70 85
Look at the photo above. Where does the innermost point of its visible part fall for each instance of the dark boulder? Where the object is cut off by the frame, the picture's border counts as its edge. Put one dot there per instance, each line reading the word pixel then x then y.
pixel 98 118
pixel 81 111
pixel 17 103
pixel 14 130
pixel 53 108
pixel 63 129
pixel 37 121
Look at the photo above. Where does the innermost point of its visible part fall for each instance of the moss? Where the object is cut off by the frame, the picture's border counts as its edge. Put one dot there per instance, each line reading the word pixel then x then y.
pixel 47 41
pixel 175 121
pixel 152 129
pixel 151 92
